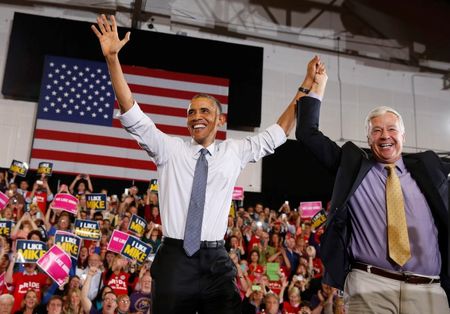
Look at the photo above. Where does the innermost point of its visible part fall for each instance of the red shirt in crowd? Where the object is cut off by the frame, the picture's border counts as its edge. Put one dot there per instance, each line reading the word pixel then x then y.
pixel 119 283
pixel 22 283
pixel 289 309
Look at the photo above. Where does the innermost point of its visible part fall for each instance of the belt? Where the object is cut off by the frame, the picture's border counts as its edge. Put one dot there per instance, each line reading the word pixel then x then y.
pixel 203 244
pixel 408 278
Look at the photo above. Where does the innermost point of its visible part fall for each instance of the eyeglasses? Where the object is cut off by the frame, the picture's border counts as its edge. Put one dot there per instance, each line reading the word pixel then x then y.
pixel 110 300
pixel 124 301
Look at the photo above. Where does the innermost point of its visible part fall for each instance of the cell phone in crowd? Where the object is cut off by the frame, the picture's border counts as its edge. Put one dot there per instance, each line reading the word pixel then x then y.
pixel 127 191
pixel 39 182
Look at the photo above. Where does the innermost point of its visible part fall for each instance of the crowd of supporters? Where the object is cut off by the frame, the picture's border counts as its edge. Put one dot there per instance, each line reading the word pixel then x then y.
pixel 275 251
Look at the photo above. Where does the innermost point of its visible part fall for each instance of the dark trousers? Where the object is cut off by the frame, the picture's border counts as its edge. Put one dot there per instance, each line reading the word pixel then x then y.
pixel 203 283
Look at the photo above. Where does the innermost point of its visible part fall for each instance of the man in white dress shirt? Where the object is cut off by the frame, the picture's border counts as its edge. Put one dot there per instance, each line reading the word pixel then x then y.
pixel 203 282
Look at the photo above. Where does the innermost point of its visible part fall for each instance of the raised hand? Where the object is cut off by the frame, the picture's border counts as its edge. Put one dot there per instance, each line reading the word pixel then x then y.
pixel 311 69
pixel 320 80
pixel 108 36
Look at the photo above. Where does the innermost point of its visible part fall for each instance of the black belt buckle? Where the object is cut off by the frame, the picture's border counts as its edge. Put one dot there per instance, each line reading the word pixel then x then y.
pixel 212 244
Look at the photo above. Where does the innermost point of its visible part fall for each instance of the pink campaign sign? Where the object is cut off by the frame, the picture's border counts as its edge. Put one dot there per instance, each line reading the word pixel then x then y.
pixel 66 202
pixel 3 200
pixel 117 241
pixel 309 209
pixel 238 193
pixel 56 263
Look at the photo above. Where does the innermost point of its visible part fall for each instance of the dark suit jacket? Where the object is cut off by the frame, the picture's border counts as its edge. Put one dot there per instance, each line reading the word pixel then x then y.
pixel 350 164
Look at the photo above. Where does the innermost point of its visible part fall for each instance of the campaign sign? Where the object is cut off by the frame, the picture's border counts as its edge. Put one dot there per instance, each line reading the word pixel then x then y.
pixel 46 168
pixel 3 200
pixel 117 241
pixel 19 167
pixel 87 229
pixel 318 219
pixel 238 193
pixel 309 209
pixel 137 225
pixel 153 185
pixel 5 227
pixel 135 249
pixel 56 263
pixel 69 242
pixel 96 201
pixel 66 202
pixel 29 251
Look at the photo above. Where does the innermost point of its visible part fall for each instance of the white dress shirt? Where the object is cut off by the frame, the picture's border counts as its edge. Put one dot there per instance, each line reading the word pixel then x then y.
pixel 175 159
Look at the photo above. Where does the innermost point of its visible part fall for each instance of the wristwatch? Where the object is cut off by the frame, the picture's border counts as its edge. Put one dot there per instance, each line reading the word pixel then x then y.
pixel 303 90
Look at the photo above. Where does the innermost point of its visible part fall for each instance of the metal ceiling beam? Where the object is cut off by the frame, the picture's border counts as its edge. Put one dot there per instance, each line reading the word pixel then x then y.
pixel 136 16
pixel 88 8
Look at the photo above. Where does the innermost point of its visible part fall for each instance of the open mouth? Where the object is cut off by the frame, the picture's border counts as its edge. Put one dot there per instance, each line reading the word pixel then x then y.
pixel 386 145
pixel 199 126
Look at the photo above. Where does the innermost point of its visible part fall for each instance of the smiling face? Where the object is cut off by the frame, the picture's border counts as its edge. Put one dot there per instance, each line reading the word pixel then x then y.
pixel 31 299
pixel 386 138
pixel 203 120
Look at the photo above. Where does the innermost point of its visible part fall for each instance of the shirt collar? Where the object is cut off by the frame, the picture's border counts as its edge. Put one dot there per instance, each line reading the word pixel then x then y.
pixel 195 148
pixel 399 165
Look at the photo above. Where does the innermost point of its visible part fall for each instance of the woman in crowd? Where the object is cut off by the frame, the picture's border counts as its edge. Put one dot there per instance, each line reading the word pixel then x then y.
pixel 118 278
pixel 4 181
pixel 293 305
pixel 255 270
pixel 72 303
pixel 30 303
pixel 153 237
pixel 82 261
pixel 81 189
pixel 24 226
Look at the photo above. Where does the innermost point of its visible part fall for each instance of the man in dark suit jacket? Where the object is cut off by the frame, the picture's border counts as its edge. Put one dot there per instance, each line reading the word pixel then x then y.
pixel 354 247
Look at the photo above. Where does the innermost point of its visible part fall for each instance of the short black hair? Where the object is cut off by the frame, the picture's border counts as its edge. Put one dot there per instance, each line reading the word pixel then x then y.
pixel 212 98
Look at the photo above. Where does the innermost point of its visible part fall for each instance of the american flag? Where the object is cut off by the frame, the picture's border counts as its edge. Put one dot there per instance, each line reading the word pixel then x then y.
pixel 76 124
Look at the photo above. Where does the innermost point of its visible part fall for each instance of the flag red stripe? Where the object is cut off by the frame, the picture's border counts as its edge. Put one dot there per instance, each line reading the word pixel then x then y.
pixel 175 130
pixel 175 76
pixel 86 138
pixel 172 93
pixel 92 159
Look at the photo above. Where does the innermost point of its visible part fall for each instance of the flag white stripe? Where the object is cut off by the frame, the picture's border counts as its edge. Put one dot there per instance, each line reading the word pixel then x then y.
pixel 82 128
pixel 178 85
pixel 166 101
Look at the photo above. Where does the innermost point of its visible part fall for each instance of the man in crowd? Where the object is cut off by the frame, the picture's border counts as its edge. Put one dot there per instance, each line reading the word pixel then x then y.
pixel 6 303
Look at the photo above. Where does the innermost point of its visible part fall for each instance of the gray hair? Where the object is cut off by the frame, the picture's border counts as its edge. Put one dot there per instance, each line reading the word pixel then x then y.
pixel 212 98
pixel 379 111
pixel 6 297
